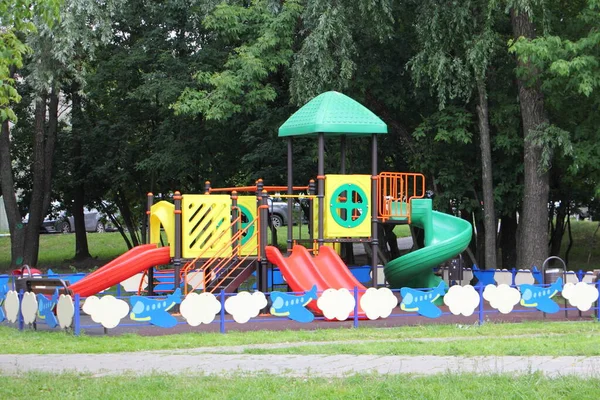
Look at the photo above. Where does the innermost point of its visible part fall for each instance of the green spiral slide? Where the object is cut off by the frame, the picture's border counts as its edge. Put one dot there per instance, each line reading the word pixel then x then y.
pixel 445 237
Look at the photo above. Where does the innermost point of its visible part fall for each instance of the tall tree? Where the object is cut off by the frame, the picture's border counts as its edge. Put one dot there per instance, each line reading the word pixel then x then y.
pixel 456 49
pixel 568 60
pixel 17 18
pixel 533 225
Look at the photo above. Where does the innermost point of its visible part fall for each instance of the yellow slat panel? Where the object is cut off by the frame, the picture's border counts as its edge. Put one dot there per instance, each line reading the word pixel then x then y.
pixel 206 223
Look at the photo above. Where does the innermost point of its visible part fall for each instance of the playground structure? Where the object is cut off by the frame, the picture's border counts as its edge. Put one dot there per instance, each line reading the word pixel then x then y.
pixel 217 239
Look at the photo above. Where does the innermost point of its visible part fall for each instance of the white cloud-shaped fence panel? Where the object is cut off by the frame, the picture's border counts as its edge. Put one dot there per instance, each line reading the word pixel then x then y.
pixel 580 295
pixel 503 276
pixel 502 297
pixel 11 306
pixel 29 307
pixel 65 310
pixel 462 300
pixel 135 282
pixel 336 304
pixel 107 311
pixel 244 306
pixel 378 303
pixel 200 308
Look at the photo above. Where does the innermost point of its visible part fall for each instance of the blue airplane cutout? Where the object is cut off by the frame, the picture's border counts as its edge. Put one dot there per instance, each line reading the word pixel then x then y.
pixel 421 301
pixel 155 311
pixel 3 291
pixel 288 305
pixel 46 308
pixel 541 297
pixel 484 277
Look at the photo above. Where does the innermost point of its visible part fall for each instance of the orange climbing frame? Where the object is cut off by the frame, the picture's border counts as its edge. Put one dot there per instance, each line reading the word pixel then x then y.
pixel 395 190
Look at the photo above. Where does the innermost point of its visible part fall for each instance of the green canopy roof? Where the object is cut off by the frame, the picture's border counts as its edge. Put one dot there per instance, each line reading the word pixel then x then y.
pixel 335 114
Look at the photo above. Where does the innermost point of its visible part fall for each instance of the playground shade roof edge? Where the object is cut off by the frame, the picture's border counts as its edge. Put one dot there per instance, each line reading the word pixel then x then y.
pixel 334 114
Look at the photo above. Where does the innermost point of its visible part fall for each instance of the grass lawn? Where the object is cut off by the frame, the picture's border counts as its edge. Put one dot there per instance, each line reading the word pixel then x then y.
pixel 585 253
pixel 261 386
pixel 57 250
pixel 550 345
pixel 552 338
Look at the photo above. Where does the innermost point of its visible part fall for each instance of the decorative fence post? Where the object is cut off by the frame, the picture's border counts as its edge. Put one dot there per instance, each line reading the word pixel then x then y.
pixel 355 306
pixel 178 241
pixel 598 302
pixel 222 322
pixel 481 310
pixel 20 313
pixel 149 203
pixel 76 316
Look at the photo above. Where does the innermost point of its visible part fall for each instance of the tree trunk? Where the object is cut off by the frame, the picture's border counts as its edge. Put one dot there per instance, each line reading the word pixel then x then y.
pixel 81 243
pixel 533 248
pixel 127 216
pixel 559 228
pixel 489 213
pixel 50 146
pixel 508 241
pixel 36 211
pixel 15 224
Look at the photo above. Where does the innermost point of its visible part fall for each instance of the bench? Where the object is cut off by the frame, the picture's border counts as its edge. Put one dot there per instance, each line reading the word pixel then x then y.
pixel 46 286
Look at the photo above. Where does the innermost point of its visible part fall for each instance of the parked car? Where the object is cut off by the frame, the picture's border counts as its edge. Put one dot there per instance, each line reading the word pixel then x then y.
pixel 279 216
pixel 581 213
pixel 95 221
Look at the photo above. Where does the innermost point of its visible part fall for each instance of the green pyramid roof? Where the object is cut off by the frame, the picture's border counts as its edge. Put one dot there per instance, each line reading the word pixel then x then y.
pixel 335 114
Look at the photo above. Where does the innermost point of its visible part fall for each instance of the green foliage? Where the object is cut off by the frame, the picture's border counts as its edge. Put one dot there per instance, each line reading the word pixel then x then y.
pixel 550 138
pixel 574 61
pixel 327 59
pixel 261 39
pixel 450 125
pixel 449 157
pixel 16 19
pixel 456 47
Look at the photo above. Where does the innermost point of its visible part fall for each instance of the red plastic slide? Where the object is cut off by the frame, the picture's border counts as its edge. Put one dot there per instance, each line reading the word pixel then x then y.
pixel 301 271
pixel 131 263
pixel 129 254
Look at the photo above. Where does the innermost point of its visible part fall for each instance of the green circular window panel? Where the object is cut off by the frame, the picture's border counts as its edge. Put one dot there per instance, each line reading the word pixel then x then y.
pixel 246 218
pixel 349 205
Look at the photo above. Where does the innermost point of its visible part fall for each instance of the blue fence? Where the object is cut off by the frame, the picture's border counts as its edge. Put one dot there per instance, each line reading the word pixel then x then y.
pixel 408 306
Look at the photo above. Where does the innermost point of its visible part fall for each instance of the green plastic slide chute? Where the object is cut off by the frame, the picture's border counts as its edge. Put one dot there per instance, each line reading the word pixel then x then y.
pixel 445 237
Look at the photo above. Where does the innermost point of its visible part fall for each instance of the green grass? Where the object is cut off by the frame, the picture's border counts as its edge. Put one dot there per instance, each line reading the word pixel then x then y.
pixel 57 250
pixel 261 386
pixel 32 342
pixel 548 345
pixel 585 253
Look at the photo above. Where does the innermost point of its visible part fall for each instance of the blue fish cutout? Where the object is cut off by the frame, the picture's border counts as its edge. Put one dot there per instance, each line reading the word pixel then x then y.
pixel 541 297
pixel 155 311
pixel 421 301
pixel 294 307
pixel 3 291
pixel 46 309
pixel 484 277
